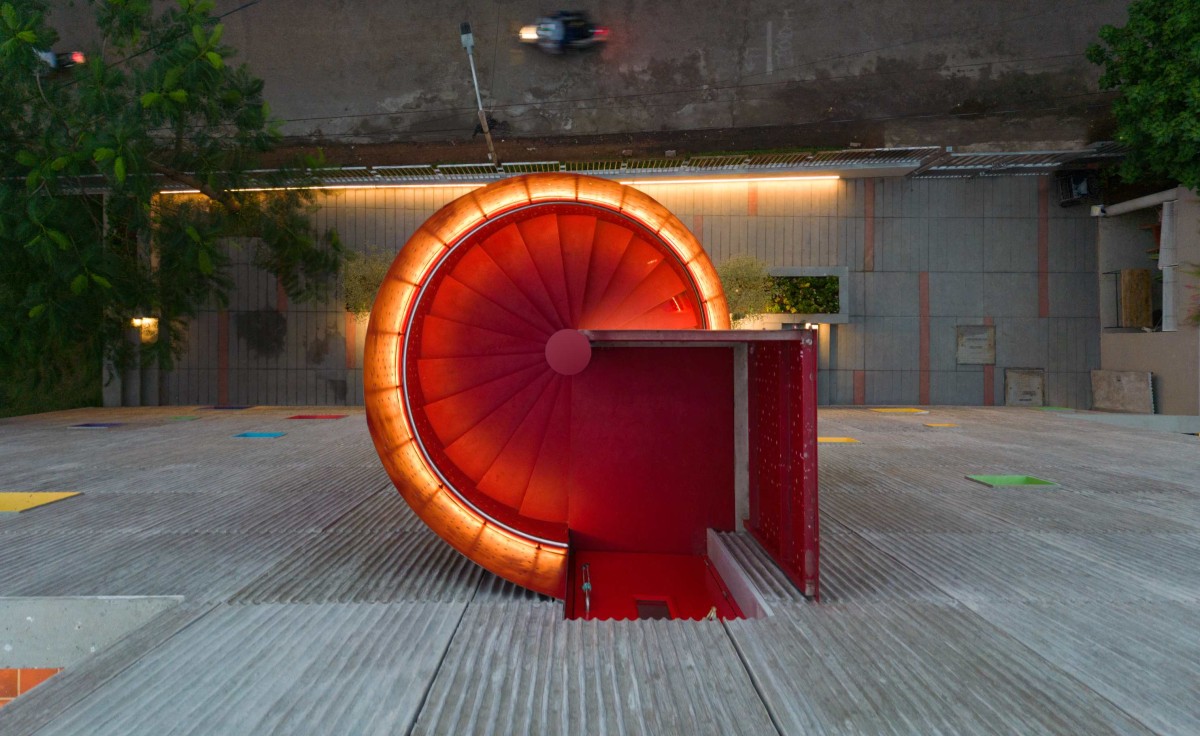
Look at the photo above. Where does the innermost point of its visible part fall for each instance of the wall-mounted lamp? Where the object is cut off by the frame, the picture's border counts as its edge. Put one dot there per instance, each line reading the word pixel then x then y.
pixel 147 328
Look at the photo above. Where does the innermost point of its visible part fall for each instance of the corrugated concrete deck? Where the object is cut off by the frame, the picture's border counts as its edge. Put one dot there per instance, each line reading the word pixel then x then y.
pixel 314 602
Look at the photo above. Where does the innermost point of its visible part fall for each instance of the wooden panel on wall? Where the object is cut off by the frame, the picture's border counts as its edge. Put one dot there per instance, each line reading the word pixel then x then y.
pixel 1136 298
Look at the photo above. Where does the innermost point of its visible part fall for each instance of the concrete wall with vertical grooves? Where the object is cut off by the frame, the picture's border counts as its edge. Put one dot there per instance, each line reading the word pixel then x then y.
pixel 942 253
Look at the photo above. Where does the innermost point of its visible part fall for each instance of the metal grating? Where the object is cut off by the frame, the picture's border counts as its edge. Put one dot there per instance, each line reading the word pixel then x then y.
pixel 780 160
pixel 345 174
pixel 469 171
pixel 711 163
pixel 416 172
pixel 655 164
pixel 951 165
pixel 928 162
pixel 861 157
pixel 531 167
pixel 598 167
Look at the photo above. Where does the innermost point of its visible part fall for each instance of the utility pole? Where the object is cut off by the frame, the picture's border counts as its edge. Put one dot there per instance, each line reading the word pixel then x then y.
pixel 468 42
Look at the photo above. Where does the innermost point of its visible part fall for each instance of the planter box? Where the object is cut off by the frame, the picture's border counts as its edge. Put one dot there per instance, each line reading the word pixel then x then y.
pixel 782 321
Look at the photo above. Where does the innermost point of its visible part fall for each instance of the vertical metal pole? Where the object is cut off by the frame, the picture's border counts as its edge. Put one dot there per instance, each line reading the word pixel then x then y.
pixel 468 42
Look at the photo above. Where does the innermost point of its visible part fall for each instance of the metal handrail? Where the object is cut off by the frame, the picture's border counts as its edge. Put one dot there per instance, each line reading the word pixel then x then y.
pixel 587 591
pixel 926 162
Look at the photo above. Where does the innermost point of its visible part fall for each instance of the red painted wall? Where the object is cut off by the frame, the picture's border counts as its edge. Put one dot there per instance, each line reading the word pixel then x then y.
pixel 651 450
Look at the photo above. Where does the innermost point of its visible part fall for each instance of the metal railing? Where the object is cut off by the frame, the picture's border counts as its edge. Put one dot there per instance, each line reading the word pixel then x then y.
pixel 916 162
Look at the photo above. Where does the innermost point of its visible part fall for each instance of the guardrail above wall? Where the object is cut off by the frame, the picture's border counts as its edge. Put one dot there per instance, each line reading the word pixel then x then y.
pixel 915 162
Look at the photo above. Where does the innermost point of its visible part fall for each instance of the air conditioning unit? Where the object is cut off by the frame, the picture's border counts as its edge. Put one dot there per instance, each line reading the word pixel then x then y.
pixel 1076 187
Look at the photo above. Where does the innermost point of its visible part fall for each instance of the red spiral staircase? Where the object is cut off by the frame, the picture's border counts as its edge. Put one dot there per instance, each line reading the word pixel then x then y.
pixel 523 435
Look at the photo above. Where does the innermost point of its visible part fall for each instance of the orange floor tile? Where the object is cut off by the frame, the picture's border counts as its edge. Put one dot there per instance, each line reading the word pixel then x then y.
pixel 14 682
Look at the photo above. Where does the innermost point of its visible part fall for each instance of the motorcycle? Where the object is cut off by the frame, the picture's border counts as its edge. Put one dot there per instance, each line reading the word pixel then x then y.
pixel 61 59
pixel 563 30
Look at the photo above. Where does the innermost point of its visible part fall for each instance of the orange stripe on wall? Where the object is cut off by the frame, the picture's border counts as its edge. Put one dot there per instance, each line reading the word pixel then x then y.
pixel 1043 246
pixel 351 340
pixel 869 226
pixel 989 376
pixel 698 228
pixel 223 357
pixel 860 387
pixel 924 337
pixel 752 199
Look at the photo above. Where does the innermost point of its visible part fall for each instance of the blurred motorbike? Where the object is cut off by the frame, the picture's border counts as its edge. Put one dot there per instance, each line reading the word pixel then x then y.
pixel 566 29
pixel 61 59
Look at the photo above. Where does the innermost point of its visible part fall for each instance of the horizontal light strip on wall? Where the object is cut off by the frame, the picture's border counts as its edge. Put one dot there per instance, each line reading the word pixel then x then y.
pixel 731 180
pixel 444 185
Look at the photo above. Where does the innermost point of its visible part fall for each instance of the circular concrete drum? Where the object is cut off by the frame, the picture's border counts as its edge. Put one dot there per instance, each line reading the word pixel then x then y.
pixel 475 336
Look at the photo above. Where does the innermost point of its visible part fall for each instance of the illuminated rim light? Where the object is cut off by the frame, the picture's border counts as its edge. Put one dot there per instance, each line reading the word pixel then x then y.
pixel 475 184
pixel 533 560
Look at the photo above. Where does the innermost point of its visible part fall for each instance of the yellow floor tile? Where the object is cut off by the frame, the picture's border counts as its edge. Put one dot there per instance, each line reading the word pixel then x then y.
pixel 18 501
pixel 900 410
pixel 836 440
pixel 940 424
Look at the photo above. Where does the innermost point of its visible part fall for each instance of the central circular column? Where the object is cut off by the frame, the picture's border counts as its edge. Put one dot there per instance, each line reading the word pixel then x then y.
pixel 568 352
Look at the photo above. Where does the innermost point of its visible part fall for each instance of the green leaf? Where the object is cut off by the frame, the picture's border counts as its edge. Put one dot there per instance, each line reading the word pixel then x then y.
pixel 204 261
pixel 36 311
pixel 200 37
pixel 119 169
pixel 215 59
pixel 178 95
pixel 102 154
pixel 26 158
pixel 171 78
pixel 61 240
pixel 215 38
pixel 9 15
pixel 79 284
pixel 101 281
pixel 60 163
pixel 150 98
pixel 192 233
pixel 27 36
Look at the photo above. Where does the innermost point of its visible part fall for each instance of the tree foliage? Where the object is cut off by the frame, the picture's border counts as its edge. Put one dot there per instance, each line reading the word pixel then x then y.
pixel 363 275
pixel 86 240
pixel 746 284
pixel 804 295
pixel 1154 61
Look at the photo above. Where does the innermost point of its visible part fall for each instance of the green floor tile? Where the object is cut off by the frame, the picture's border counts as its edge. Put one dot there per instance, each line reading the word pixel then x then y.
pixel 996 481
